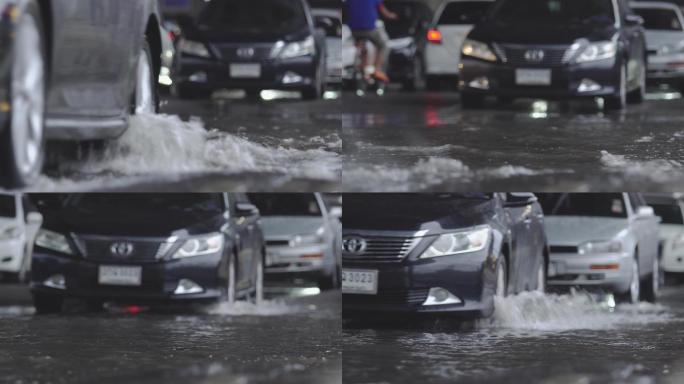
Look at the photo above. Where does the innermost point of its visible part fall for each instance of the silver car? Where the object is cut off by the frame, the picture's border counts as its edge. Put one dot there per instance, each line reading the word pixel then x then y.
pixel 664 26
pixel 671 210
pixel 606 242
pixel 303 239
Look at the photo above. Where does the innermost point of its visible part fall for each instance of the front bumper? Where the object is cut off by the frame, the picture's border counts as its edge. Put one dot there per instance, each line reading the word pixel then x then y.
pixel 159 279
pixel 565 81
pixel 211 74
pixel 289 264
pixel 569 270
pixel 11 254
pixel 666 67
pixel 403 287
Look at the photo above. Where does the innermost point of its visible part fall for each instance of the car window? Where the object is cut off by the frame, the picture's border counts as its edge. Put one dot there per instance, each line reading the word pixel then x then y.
pixel 660 19
pixel 7 206
pixel 583 204
pixel 555 11
pixel 464 12
pixel 411 15
pixel 252 17
pixel 286 204
pixel 669 213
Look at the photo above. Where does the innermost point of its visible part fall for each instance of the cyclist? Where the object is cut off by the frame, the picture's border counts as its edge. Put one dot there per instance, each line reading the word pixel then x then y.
pixel 362 17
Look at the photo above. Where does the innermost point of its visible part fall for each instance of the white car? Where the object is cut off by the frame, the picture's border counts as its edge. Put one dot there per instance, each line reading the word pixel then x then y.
pixel 18 230
pixel 671 211
pixel 664 26
pixel 453 21
pixel 331 21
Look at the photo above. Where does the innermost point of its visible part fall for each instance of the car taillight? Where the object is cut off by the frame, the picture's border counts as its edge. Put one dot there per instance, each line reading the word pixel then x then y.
pixel 434 36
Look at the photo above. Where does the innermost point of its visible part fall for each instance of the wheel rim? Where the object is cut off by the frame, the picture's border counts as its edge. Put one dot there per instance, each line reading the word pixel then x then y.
pixel 500 283
pixel 28 97
pixel 231 281
pixel 144 94
pixel 634 285
pixel 541 279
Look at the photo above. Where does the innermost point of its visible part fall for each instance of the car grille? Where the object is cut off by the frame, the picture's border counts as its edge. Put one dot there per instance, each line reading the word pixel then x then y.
pixel 244 52
pixel 142 249
pixel 554 56
pixel 277 243
pixel 388 298
pixel 563 249
pixel 384 249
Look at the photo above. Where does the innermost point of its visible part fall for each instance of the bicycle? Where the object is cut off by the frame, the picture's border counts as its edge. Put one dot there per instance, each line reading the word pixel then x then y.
pixel 363 80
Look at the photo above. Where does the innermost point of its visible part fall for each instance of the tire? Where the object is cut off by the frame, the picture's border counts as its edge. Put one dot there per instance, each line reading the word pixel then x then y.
pixel 618 102
pixel 540 285
pixel 24 275
pixel 316 91
pixel 330 281
pixel 145 98
pixel 638 95
pixel 433 83
pixel 185 92
pixel 259 289
pixel 501 277
pixel 231 283
pixel 472 101
pixel 47 304
pixel 417 81
pixel 651 285
pixel 632 295
pixel 22 141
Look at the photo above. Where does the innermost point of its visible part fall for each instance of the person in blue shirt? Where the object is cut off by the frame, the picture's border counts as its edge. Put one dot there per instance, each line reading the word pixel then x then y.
pixel 362 17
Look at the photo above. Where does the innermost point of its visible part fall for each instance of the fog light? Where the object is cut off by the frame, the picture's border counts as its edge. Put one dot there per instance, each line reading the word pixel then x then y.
pixel 198 77
pixel 292 78
pixel 55 281
pixel 187 287
pixel 440 296
pixel 479 83
pixel 588 85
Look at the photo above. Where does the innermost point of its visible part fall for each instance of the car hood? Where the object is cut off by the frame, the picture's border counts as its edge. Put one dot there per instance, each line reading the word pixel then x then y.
pixel 657 39
pixel 542 34
pixel 574 230
pixel 219 36
pixel 285 226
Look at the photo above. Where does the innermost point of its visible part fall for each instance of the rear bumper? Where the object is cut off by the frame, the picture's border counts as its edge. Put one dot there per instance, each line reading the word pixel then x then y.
pixel 566 270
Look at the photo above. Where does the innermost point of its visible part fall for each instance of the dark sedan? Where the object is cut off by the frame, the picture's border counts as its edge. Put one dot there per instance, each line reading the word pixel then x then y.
pixel 146 249
pixel 556 49
pixel 251 45
pixel 439 254
pixel 72 70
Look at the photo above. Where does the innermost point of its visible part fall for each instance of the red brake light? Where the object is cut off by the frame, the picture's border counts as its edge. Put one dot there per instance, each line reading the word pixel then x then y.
pixel 434 36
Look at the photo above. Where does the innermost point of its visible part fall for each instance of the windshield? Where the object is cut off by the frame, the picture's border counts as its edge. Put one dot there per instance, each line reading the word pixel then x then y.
pixel 146 202
pixel 464 12
pixel 410 17
pixel 659 19
pixel 7 206
pixel 555 11
pixel 584 204
pixel 287 204
pixel 669 213
pixel 254 17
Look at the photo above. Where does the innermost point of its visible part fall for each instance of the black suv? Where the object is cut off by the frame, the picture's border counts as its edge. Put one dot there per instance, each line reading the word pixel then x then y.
pixel 150 249
pixel 556 49
pixel 252 45
pixel 439 254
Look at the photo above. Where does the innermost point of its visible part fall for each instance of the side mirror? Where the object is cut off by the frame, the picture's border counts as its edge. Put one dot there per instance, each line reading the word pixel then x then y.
pixel 246 210
pixel 336 212
pixel 645 212
pixel 34 218
pixel 634 20
pixel 520 199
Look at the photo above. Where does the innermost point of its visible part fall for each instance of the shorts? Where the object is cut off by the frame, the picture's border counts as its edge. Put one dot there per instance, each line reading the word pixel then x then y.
pixel 375 36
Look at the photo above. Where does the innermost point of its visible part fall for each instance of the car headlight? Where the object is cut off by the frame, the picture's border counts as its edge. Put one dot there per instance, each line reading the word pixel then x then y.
pixel 598 51
pixel 193 48
pixel 472 240
pixel 478 50
pixel 309 239
pixel 306 47
pixel 593 247
pixel 53 241
pixel 200 245
pixel 671 49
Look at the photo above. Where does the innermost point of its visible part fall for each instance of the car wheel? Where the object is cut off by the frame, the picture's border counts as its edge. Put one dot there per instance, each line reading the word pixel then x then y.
pixel 22 143
pixel 417 81
pixel 633 293
pixel 47 304
pixel 639 95
pixel 315 91
pixel 471 100
pixel 541 277
pixel 619 101
pixel 331 281
pixel 146 97
pixel 185 92
pixel 501 278
pixel 651 285
pixel 259 289
pixel 24 272
pixel 230 290
pixel 433 83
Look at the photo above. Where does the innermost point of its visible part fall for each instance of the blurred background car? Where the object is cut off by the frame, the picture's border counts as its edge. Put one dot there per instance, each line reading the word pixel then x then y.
pixel 439 254
pixel 670 209
pixel 146 249
pixel 603 242
pixel 330 21
pixel 452 22
pixel 303 239
pixel 169 32
pixel 251 45
pixel 19 226
pixel 664 26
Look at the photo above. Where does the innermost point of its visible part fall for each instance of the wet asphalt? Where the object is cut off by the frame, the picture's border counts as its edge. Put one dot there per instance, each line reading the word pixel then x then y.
pixel 426 141
pixel 285 340
pixel 535 340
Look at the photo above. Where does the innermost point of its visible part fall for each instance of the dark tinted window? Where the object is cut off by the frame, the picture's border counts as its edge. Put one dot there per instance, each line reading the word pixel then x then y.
pixel 659 19
pixel 254 16
pixel 555 11
pixel 7 206
pixel 583 204
pixel 286 204
pixel 146 202
pixel 464 12
pixel 670 214
pixel 411 15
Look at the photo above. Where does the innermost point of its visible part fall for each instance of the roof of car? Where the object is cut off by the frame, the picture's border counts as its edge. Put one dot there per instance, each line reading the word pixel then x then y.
pixel 654 4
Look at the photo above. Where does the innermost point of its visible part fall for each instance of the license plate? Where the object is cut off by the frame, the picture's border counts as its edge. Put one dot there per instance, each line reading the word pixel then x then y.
pixel 248 71
pixel 117 275
pixel 533 76
pixel 356 281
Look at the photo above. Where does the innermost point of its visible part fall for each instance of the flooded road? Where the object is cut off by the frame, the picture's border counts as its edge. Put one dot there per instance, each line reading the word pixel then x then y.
pixel 284 340
pixel 532 338
pixel 228 143
pixel 410 142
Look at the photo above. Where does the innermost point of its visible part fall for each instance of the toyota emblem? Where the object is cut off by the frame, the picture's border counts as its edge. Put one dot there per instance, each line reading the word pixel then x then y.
pixel 354 245
pixel 122 249
pixel 535 55
pixel 245 53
